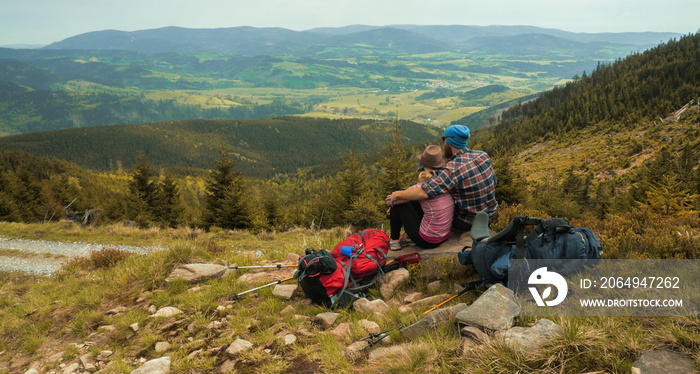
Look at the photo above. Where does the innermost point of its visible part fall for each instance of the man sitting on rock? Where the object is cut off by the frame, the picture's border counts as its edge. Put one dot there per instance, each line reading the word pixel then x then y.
pixel 468 176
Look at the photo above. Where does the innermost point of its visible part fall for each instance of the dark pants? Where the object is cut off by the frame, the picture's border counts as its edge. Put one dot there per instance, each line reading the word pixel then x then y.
pixel 409 215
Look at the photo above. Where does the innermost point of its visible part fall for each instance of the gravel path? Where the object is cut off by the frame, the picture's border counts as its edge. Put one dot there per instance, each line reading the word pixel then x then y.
pixel 45 257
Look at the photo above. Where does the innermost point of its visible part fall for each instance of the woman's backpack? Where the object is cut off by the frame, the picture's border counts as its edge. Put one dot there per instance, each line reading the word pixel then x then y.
pixel 338 278
pixel 551 239
pixel 364 253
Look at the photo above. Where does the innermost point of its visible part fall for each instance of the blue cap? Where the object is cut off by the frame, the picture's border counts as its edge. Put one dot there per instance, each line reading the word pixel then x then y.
pixel 457 136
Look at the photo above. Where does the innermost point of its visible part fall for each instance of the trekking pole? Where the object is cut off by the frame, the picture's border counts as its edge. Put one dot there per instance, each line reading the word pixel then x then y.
pixel 278 266
pixel 470 286
pixel 235 296
pixel 378 336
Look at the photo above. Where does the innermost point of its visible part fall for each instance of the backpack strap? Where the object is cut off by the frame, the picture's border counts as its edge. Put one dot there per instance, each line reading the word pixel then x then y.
pixel 518 225
pixel 348 278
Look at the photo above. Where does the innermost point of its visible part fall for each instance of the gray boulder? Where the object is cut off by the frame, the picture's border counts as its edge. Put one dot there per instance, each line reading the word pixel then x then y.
pixel 197 272
pixel 432 320
pixel 663 361
pixel 494 310
pixel 157 366
pixel 531 339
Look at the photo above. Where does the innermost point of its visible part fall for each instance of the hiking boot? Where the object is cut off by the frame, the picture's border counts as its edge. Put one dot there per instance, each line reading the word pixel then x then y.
pixel 394 245
pixel 405 241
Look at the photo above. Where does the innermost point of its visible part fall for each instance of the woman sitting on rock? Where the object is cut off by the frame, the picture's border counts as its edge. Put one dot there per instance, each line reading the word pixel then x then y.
pixel 426 222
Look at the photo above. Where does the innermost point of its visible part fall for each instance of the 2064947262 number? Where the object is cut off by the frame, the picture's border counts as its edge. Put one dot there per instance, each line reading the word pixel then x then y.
pixel 639 282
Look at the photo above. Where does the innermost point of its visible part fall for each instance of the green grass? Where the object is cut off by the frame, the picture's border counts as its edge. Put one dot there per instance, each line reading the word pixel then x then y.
pixel 37 313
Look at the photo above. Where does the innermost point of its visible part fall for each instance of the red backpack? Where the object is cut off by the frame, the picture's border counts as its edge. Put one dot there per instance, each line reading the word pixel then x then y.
pixel 364 253
pixel 338 278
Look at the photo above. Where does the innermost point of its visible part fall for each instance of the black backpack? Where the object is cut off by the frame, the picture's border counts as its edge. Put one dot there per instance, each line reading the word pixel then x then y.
pixel 551 239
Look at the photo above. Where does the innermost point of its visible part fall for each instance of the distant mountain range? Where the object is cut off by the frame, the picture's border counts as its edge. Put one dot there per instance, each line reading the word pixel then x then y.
pixel 395 39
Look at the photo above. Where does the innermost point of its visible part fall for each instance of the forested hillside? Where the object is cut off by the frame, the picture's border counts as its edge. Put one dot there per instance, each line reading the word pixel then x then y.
pixel 262 147
pixel 643 87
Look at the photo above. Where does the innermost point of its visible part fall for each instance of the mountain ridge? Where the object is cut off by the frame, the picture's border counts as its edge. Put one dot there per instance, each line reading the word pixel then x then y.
pixel 249 40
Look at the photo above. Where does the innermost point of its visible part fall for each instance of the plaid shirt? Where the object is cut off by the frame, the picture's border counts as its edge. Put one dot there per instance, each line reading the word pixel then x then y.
pixel 468 176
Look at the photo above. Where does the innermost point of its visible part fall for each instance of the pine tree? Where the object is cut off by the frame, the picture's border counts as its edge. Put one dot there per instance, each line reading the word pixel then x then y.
pixel 170 207
pixel 27 195
pixel 397 167
pixel 225 196
pixel 142 193
pixel 8 207
pixel 354 202
pixel 512 186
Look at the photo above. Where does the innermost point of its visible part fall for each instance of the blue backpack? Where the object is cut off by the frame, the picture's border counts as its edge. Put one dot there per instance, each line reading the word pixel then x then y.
pixel 551 239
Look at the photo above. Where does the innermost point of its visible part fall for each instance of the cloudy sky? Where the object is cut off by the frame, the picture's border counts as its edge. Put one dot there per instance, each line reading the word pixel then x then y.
pixel 47 21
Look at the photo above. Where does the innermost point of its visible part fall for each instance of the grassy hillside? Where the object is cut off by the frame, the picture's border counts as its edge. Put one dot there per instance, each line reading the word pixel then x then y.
pixel 98 298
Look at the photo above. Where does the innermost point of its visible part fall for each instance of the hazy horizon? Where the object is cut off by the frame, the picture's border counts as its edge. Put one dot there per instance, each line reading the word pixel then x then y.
pixel 42 22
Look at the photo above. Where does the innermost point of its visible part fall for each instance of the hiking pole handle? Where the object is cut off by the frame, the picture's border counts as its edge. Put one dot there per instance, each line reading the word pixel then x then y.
pixel 235 296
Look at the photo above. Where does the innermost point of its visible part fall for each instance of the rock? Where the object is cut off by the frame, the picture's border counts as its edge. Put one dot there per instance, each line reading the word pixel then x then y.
pixel 375 306
pixel 432 320
pixel 380 353
pixel 157 366
pixel 391 281
pixel 72 368
pixel 495 309
pixel 197 272
pixel 663 362
pixel 341 331
pixel 287 311
pixel 369 326
pixel 474 334
pixel 289 339
pixel 239 346
pixel 326 319
pixel 291 259
pixel 104 355
pixel 162 347
pixel 31 371
pixel 117 310
pixel 107 328
pixel 265 276
pixel 434 286
pixel 167 311
pixel 134 326
pixel 428 301
pixel 194 354
pixel 531 339
pixel 98 339
pixel 56 357
pixel 354 349
pixel 412 297
pixel 285 291
pixel 467 344
pixel 229 366
pixel 87 360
